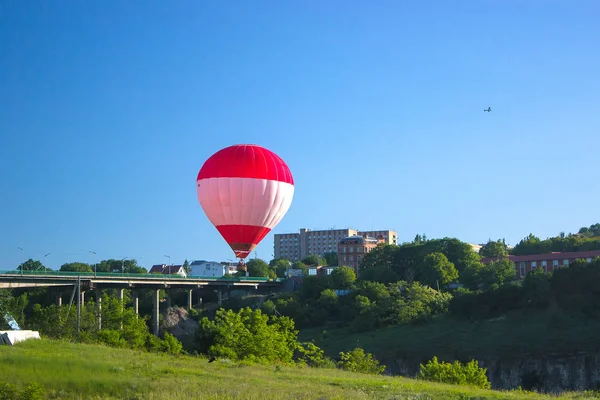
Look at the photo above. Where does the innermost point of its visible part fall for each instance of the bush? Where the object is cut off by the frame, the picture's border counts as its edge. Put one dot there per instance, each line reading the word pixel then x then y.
pixel 359 361
pixel 455 373
pixel 311 355
pixel 171 345
pixel 33 391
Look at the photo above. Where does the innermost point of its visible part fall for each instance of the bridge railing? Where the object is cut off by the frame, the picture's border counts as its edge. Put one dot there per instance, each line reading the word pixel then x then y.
pixel 137 276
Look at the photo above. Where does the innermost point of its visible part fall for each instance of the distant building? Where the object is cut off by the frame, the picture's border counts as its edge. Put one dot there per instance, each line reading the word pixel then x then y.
pixel 212 269
pixel 320 270
pixel 298 246
pixel 548 262
pixel 351 250
pixel 168 270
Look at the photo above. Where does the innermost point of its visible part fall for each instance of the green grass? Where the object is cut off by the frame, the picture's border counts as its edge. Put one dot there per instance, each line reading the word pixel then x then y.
pixel 80 371
pixel 518 335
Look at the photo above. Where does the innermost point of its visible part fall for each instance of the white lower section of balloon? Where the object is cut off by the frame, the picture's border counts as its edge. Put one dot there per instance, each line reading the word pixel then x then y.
pixel 244 201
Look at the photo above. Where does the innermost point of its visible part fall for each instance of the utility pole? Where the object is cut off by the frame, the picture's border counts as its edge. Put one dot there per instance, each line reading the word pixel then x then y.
pixel 94 253
pixel 168 268
pixel 20 248
pixel 78 302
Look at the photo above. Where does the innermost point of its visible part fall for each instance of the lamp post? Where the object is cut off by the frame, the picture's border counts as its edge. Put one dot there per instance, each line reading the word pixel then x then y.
pixel 168 269
pixel 94 253
pixel 123 264
pixel 20 248
pixel 46 255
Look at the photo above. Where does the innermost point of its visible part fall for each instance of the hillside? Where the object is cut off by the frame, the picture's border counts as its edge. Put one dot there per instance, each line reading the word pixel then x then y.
pixel 520 334
pixel 72 371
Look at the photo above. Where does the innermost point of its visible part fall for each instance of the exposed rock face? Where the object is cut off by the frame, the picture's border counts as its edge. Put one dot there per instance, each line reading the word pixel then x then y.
pixel 181 325
pixel 553 373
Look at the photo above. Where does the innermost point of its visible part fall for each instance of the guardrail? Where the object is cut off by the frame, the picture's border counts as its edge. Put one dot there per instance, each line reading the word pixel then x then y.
pixel 137 276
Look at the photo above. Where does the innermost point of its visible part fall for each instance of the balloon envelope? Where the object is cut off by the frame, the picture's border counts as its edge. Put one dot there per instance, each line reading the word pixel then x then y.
pixel 245 190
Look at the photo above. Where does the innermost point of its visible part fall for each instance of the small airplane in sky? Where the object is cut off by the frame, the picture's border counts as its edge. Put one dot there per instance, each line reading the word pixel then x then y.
pixel 489 109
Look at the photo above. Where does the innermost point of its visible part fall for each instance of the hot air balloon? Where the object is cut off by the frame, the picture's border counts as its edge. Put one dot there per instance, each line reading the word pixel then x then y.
pixel 244 190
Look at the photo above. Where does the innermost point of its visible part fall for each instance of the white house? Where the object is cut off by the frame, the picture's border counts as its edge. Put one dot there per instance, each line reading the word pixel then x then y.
pixel 212 269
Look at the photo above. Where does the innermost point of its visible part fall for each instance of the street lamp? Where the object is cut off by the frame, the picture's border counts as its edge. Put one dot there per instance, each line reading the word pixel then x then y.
pixel 169 269
pixel 123 264
pixel 46 255
pixel 20 248
pixel 94 253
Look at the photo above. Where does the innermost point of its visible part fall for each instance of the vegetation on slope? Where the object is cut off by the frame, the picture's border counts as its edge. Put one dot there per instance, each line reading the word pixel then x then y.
pixel 73 371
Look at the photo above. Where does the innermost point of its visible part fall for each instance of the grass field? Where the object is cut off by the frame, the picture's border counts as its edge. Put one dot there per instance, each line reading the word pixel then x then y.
pixel 79 371
pixel 517 334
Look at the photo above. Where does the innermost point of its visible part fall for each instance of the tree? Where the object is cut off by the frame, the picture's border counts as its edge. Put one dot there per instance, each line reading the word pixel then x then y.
pixel 478 275
pixel 342 277
pixel 314 260
pixel 32 265
pixel 120 266
pixel 280 266
pixel 436 270
pixel 496 248
pixel 76 267
pixel 248 335
pixel 300 265
pixel 257 268
pixel 186 267
pixel 331 258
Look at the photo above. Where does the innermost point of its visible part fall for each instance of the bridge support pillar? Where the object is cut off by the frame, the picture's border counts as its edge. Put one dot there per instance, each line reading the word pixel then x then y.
pixel 155 311
pixel 135 299
pixel 59 300
pixel 82 297
pixel 99 307
pixel 190 299
pixel 219 298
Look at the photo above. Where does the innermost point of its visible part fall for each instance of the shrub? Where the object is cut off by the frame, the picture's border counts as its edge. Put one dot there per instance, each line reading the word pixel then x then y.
pixel 311 355
pixel 171 345
pixel 455 373
pixel 359 361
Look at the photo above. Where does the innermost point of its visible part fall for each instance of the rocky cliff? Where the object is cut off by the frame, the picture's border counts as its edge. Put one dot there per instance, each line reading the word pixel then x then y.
pixel 553 373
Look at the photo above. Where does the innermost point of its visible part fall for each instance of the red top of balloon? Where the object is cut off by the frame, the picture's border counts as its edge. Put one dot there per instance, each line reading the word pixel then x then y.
pixel 246 161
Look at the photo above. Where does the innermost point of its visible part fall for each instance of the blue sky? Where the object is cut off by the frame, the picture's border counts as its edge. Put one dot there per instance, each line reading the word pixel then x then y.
pixel 108 110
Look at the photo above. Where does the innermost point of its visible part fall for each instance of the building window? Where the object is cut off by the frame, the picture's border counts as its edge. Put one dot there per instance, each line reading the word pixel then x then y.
pixel 555 263
pixel 522 267
pixel 351 258
pixel 533 264
pixel 566 263
pixel 545 266
pixel 588 260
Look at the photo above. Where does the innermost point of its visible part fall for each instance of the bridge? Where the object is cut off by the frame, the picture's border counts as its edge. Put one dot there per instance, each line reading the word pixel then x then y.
pixel 90 281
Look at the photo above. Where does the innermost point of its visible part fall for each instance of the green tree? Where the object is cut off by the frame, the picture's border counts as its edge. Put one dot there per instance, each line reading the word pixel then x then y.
pixel 496 248
pixel 478 275
pixel 379 273
pixel 331 258
pixel 120 266
pixel 314 260
pixel 280 266
pixel 436 270
pixel 249 335
pixel 455 373
pixel 258 268
pixel 76 267
pixel 342 278
pixel 186 267
pixel 359 361
pixel 32 265
pixel 301 266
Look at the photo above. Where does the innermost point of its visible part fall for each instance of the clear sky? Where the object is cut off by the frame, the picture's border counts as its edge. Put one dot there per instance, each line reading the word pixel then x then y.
pixel 109 109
